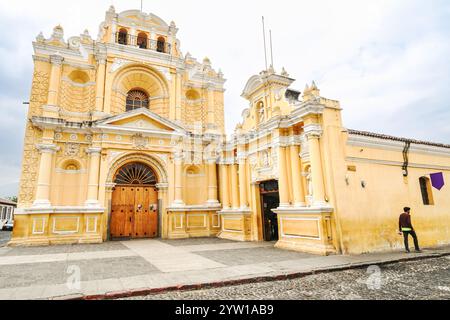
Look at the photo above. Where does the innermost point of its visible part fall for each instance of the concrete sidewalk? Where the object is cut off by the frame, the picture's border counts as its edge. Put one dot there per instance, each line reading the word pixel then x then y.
pixel 136 268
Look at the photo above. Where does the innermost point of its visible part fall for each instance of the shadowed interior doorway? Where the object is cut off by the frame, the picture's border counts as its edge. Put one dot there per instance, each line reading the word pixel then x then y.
pixel 270 199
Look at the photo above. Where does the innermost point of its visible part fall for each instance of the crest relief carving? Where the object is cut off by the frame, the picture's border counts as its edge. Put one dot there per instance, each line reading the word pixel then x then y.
pixel 139 141
pixel 71 149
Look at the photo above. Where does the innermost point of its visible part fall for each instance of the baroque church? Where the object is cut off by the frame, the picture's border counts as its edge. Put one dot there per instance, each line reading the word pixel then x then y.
pixel 125 139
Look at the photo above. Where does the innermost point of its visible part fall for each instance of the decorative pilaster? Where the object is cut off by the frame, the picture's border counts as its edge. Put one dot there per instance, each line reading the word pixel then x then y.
pixel 283 178
pixel 94 170
pixel 100 84
pixel 212 183
pixel 225 187
pixel 211 110
pixel 51 109
pixel 243 184
pixel 313 133
pixel 234 187
pixel 178 202
pixel 297 185
pixel 44 176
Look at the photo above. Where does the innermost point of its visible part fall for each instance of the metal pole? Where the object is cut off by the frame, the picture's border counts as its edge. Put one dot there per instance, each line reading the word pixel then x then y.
pixel 271 49
pixel 264 36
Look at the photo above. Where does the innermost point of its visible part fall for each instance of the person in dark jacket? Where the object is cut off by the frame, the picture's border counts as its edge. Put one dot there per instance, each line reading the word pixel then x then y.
pixel 405 227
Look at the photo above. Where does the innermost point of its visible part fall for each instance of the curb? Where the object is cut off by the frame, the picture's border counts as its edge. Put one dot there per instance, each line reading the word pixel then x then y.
pixel 228 283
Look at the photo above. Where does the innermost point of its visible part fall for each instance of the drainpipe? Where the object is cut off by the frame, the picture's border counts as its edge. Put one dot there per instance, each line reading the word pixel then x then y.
pixel 406 158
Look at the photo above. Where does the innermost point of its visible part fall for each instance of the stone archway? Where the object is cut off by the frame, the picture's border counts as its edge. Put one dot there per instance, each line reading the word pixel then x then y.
pixel 137 203
pixel 140 77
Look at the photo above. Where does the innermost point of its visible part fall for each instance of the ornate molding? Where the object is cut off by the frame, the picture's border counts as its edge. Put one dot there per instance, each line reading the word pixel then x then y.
pixel 47 148
pixel 71 149
pixel 117 64
pixel 313 130
pixel 94 151
pixel 56 60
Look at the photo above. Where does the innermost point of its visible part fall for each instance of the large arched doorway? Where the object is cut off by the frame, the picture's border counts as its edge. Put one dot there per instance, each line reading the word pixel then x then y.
pixel 134 207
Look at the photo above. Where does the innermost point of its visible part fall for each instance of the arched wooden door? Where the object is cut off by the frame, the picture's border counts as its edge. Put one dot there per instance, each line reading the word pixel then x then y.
pixel 134 209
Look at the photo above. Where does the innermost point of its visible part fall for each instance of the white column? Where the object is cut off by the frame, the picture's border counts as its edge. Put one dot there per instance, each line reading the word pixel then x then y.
pixel 178 202
pixel 212 182
pixel 44 176
pixel 93 183
pixel 313 133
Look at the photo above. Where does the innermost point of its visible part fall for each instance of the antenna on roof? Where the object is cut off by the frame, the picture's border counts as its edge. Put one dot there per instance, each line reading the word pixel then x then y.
pixel 271 49
pixel 141 4
pixel 264 36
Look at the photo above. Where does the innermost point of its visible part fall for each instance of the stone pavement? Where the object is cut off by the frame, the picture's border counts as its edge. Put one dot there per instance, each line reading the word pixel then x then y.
pixel 5 237
pixel 135 268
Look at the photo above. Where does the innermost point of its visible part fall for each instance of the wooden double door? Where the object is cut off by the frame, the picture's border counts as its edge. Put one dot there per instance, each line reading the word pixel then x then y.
pixel 134 212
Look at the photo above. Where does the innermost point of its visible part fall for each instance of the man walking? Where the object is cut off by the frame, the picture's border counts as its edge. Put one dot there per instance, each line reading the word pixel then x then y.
pixel 405 227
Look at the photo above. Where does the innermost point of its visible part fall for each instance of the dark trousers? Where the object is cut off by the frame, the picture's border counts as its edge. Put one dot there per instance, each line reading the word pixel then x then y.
pixel 413 234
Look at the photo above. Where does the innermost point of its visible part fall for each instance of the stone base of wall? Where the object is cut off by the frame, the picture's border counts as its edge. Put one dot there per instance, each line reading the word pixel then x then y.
pixel 36 242
pixel 57 226
pixel 235 225
pixel 192 222
pixel 305 229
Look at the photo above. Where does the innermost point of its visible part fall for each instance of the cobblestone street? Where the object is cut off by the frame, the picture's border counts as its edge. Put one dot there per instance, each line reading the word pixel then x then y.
pixel 424 279
pixel 114 270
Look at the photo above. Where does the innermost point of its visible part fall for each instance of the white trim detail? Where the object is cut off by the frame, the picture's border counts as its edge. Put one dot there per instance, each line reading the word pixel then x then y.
pixel 63 232
pixel 319 238
pixel 205 222
pixel 95 224
pixel 34 226
pixel 378 143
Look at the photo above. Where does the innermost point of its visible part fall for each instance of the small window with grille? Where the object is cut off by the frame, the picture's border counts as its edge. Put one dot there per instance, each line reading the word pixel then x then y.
pixel 137 99
pixel 427 193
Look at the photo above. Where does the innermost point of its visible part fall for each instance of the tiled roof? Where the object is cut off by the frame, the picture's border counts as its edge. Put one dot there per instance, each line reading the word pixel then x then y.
pixel 387 137
pixel 8 202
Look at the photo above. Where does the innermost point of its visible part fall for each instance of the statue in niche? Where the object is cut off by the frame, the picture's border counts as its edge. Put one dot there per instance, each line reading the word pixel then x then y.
pixel 265 159
pixel 309 183
pixel 261 114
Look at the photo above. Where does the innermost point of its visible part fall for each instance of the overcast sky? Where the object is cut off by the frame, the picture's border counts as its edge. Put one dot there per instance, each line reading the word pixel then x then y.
pixel 387 61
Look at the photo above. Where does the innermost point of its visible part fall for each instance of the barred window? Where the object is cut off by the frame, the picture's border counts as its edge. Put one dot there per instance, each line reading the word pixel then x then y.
pixel 425 188
pixel 137 99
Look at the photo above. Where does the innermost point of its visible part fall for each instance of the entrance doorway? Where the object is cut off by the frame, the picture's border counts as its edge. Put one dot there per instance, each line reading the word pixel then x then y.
pixel 134 208
pixel 270 199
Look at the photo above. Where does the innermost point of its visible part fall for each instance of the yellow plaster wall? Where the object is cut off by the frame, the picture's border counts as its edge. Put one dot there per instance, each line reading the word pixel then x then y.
pixel 195 182
pixel 369 216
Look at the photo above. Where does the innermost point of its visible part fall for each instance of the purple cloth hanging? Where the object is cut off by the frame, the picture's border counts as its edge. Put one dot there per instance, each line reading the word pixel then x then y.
pixel 437 180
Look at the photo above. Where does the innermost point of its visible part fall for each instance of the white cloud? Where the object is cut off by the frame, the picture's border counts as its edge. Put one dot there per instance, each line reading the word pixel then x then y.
pixel 384 60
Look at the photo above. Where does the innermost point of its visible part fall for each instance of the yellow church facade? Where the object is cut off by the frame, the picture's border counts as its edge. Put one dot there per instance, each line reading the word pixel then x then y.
pixel 125 139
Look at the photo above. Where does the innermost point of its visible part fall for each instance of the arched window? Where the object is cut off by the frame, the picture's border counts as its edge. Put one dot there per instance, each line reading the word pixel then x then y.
pixel 122 37
pixel 137 99
pixel 161 45
pixel 142 40
pixel 425 188
pixel 135 174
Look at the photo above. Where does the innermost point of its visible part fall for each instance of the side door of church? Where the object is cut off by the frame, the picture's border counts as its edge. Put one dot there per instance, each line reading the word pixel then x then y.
pixel 145 213
pixel 122 213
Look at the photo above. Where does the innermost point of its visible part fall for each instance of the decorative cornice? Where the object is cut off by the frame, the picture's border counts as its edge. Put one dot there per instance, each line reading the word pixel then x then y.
pixel 313 130
pixel 56 59
pixel 47 148
pixel 396 145
pixel 94 151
